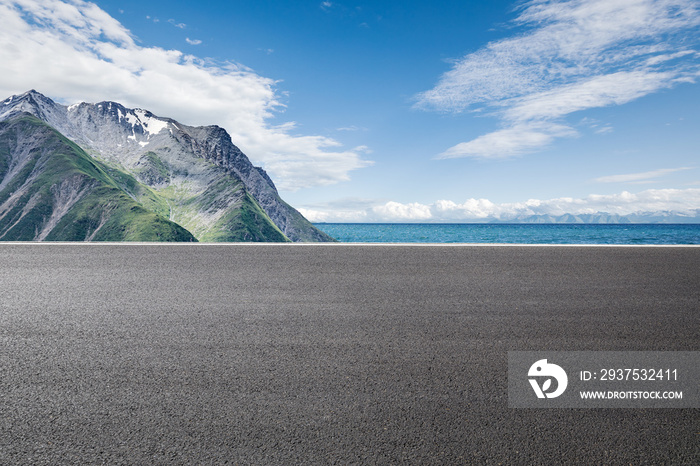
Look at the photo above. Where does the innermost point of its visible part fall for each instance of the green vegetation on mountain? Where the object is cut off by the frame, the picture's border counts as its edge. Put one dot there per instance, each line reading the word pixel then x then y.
pixel 152 170
pixel 248 223
pixel 224 212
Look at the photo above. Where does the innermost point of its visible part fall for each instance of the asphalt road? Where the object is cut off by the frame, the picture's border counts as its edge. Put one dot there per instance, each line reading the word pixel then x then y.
pixel 287 354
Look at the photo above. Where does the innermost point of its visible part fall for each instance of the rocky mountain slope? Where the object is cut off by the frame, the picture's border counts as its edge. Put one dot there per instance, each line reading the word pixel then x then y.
pixel 193 176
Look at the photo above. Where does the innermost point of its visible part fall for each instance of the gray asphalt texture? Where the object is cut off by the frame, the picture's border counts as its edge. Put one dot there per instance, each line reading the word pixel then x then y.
pixel 246 354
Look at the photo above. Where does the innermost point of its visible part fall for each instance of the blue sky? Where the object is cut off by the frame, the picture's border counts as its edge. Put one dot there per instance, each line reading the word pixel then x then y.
pixel 400 111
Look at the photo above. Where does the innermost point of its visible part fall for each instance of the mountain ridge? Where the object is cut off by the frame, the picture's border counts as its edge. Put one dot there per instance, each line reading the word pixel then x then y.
pixel 207 183
pixel 602 218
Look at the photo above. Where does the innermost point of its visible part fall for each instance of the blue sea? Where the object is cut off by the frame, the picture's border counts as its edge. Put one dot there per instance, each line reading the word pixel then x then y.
pixel 513 233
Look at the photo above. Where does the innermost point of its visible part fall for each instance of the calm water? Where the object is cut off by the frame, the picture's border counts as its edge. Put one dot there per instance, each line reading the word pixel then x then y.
pixel 512 233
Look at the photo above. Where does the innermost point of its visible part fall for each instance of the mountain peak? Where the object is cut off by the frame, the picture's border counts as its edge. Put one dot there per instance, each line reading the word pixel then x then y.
pixel 31 102
pixel 34 97
pixel 33 92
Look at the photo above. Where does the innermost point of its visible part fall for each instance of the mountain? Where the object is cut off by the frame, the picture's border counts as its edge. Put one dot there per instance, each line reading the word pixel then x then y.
pixel 600 217
pixel 607 218
pixel 52 190
pixel 193 176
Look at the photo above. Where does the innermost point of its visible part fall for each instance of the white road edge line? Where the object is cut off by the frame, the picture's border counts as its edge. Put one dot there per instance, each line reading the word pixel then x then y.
pixel 507 245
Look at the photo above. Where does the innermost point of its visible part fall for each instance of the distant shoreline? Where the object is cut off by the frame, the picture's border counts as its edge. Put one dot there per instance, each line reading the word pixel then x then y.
pixel 515 233
pixel 696 222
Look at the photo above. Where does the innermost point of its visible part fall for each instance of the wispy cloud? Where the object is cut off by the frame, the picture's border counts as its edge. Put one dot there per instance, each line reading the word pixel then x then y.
pixel 508 142
pixel 574 55
pixel 193 41
pixel 639 177
pixel 177 25
pixel 74 51
pixel 351 128
pixel 684 201
pixel 326 5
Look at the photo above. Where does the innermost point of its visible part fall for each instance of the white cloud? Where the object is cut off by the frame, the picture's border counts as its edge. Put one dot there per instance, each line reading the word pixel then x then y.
pixel 576 55
pixel 193 41
pixel 639 177
pixel 684 201
pixel 177 25
pixel 516 140
pixel 397 212
pixel 74 51
pixel 598 91
pixel 364 149
pixel 351 128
